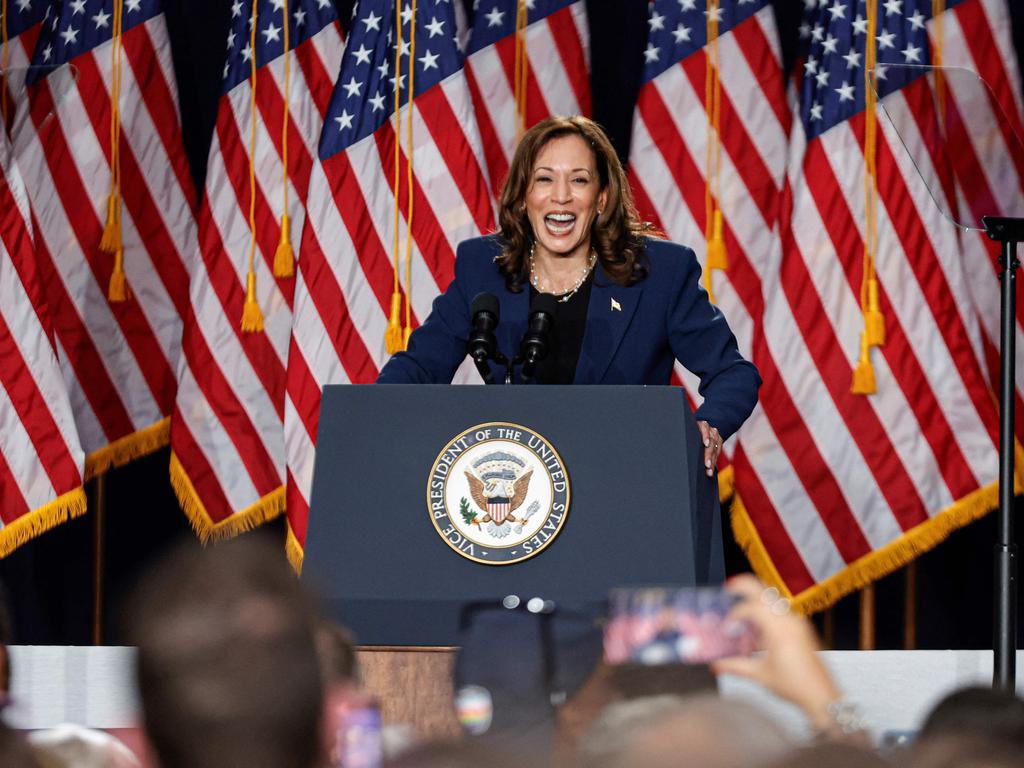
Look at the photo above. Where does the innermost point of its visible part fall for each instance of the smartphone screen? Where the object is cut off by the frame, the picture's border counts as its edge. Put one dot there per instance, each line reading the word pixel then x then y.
pixel 673 625
pixel 357 737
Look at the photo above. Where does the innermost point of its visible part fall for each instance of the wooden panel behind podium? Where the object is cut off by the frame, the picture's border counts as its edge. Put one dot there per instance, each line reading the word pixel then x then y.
pixel 413 686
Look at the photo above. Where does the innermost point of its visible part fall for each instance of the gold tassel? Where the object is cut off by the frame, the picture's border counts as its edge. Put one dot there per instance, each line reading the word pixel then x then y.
pixel 874 320
pixel 110 242
pixel 717 257
pixel 393 335
pixel 864 373
pixel 252 318
pixel 118 289
pixel 707 286
pixel 284 257
pixel 405 337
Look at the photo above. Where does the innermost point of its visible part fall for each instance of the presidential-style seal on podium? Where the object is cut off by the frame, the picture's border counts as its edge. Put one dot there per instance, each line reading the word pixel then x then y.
pixel 498 493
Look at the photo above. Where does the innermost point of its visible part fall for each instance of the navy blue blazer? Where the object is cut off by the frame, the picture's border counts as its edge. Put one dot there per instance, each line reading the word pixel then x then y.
pixel 633 334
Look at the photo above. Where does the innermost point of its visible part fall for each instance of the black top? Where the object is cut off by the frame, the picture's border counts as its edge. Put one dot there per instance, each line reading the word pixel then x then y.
pixel 565 338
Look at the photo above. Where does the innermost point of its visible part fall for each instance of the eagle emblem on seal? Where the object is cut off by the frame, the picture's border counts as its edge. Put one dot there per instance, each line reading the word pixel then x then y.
pixel 498 484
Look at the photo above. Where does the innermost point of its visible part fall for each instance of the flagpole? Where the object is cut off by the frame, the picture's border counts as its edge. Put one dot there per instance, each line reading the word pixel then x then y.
pixel 867 618
pixel 98 536
pixel 1008 232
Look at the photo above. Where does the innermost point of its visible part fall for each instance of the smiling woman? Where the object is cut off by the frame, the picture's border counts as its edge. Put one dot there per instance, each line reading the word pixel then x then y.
pixel 566 199
pixel 627 304
pixel 562 201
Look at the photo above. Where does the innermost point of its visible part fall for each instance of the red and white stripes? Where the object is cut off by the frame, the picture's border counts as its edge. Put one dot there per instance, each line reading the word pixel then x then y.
pixel 838 489
pixel 667 158
pixel 558 82
pixel 118 358
pixel 227 436
pixel 41 461
pixel 343 291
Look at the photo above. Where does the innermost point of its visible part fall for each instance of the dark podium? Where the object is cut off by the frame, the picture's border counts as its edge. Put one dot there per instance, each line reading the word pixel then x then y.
pixel 641 510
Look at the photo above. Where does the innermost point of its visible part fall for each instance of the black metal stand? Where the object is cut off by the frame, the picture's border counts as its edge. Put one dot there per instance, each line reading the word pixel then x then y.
pixel 1008 232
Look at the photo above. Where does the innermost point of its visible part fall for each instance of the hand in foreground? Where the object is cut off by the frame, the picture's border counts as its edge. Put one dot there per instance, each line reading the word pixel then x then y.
pixel 712 446
pixel 790 666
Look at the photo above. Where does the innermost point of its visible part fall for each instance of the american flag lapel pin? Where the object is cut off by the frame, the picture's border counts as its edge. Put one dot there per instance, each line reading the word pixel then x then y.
pixel 616 307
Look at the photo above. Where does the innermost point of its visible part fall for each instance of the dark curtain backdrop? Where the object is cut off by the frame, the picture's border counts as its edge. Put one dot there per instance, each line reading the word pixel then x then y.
pixel 49 580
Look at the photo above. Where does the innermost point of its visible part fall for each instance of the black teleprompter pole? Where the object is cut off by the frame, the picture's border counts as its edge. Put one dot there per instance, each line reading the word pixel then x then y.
pixel 1008 232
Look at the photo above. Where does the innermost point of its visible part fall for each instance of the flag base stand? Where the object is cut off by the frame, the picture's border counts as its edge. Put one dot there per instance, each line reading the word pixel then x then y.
pixel 1008 232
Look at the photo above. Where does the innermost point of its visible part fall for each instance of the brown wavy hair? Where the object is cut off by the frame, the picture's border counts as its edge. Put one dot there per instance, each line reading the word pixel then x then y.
pixel 616 234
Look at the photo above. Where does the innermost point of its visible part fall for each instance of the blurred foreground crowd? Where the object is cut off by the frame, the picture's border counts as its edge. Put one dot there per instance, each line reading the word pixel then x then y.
pixel 237 668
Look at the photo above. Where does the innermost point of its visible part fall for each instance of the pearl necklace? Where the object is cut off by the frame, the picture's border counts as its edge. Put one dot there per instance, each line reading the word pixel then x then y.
pixel 564 297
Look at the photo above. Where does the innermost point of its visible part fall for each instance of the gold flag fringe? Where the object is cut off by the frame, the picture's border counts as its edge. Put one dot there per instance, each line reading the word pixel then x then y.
pixel 293 550
pixel 874 565
pixel 726 484
pixel 65 507
pixel 253 516
pixel 127 448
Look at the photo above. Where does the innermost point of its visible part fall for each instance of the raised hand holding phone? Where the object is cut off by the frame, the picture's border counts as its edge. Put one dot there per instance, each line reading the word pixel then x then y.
pixel 673 625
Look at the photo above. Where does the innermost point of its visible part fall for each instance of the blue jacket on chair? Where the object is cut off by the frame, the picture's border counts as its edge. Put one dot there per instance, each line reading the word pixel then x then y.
pixel 634 334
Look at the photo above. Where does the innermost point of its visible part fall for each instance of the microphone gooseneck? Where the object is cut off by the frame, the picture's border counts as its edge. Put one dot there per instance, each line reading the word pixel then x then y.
pixel 534 346
pixel 481 345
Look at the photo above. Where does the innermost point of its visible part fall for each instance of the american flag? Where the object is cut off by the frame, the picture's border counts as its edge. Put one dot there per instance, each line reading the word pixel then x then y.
pixel 976 37
pixel 40 457
pixel 118 357
pixel 668 151
pixel 557 78
pixel 345 280
pixel 227 433
pixel 837 488
pixel 20 25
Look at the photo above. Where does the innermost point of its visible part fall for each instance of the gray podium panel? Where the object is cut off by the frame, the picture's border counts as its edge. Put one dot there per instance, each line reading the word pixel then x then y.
pixel 641 509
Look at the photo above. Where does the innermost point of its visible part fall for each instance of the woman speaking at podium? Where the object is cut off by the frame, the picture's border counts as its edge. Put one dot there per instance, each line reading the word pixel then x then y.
pixel 626 304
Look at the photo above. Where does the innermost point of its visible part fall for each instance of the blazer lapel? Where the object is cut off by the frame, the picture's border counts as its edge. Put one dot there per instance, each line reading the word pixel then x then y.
pixel 609 313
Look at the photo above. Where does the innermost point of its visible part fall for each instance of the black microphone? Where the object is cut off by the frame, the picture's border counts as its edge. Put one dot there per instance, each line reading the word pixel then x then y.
pixel 534 346
pixel 482 344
